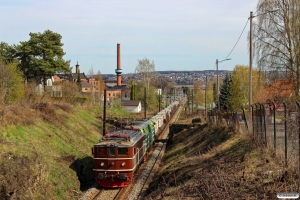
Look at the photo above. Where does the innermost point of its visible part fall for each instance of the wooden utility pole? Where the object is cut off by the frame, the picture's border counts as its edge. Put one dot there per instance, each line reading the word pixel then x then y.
pixel 218 100
pixel 104 112
pixel 205 95
pixel 192 100
pixel 174 93
pixel 250 61
pixel 145 104
pixel 159 101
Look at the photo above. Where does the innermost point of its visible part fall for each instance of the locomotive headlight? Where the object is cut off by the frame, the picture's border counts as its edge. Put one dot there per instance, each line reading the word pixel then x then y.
pixel 102 164
pixel 112 163
pixel 123 164
pixel 101 176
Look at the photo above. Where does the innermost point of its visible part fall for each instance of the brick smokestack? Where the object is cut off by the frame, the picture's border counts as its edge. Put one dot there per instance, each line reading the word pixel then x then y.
pixel 119 70
pixel 77 68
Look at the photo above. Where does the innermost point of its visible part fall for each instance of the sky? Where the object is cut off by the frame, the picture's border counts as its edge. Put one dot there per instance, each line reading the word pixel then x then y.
pixel 174 34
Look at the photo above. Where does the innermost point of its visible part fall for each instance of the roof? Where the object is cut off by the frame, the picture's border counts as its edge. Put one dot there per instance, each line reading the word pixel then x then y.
pixel 71 77
pixel 56 78
pixel 120 138
pixel 75 76
pixel 122 87
pixel 110 81
pixel 111 89
pixel 282 88
pixel 63 76
pixel 131 103
pixel 86 85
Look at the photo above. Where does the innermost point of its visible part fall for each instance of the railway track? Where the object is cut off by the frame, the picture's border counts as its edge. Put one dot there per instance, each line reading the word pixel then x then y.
pixel 108 194
pixel 142 181
pixel 97 193
pixel 142 177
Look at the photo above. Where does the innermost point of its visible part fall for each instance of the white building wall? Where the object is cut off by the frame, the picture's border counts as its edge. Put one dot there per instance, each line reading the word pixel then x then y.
pixel 133 109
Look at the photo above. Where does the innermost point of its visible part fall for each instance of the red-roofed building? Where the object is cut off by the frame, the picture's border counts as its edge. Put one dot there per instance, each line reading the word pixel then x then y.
pixel 279 89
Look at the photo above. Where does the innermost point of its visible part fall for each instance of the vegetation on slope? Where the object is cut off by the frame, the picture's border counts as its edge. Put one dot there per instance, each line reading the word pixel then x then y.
pixel 45 150
pixel 213 162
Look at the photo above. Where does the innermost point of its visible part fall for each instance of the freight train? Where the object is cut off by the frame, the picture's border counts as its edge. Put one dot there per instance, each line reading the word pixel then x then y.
pixel 119 153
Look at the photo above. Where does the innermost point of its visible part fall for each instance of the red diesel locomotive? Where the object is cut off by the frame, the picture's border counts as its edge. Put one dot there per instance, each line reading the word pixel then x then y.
pixel 116 157
pixel 118 154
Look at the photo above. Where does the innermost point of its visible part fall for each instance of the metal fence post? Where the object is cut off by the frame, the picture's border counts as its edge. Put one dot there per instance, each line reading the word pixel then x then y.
pixel 256 112
pixel 244 116
pixel 298 123
pixel 265 126
pixel 274 121
pixel 260 119
pixel 252 120
pixel 285 136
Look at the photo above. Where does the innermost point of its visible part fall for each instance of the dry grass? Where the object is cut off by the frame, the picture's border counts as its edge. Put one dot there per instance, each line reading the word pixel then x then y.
pixel 29 114
pixel 218 163
pixel 17 114
pixel 45 150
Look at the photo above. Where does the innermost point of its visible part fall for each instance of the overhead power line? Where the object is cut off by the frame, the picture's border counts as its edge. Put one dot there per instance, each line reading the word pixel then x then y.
pixel 238 39
pixel 258 9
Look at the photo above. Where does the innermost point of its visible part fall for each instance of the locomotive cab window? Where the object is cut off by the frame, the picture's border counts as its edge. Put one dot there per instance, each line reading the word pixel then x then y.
pixel 146 130
pixel 122 151
pixel 102 151
pixel 112 151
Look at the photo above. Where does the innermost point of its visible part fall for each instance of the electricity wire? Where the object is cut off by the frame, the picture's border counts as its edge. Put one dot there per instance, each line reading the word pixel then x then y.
pixel 238 39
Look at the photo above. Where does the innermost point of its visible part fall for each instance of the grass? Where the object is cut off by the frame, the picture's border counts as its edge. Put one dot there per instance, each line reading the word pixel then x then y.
pixel 214 162
pixel 45 150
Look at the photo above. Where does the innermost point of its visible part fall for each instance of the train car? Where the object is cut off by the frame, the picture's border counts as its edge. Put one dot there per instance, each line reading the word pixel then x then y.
pixel 116 157
pixel 118 154
pixel 146 127
pixel 158 121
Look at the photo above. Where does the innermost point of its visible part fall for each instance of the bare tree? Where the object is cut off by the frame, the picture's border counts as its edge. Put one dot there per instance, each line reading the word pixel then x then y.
pixel 146 71
pixel 164 82
pixel 69 90
pixel 198 93
pixel 277 40
pixel 91 72
pixel 101 86
pixel 91 77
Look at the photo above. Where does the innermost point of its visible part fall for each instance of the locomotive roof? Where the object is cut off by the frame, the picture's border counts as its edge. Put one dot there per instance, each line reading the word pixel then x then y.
pixel 121 137
pixel 141 123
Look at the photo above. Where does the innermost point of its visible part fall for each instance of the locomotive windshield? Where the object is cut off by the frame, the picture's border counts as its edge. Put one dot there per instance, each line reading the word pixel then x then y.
pixel 112 151
pixel 122 151
pixel 102 151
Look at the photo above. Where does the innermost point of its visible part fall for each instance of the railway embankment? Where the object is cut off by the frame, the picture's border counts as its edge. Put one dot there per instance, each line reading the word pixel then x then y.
pixel 45 150
pixel 206 161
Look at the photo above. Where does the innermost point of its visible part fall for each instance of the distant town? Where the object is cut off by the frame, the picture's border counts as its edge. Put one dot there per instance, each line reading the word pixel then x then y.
pixel 179 77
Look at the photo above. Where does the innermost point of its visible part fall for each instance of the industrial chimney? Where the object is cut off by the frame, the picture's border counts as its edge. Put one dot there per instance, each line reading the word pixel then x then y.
pixel 118 70
pixel 77 68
